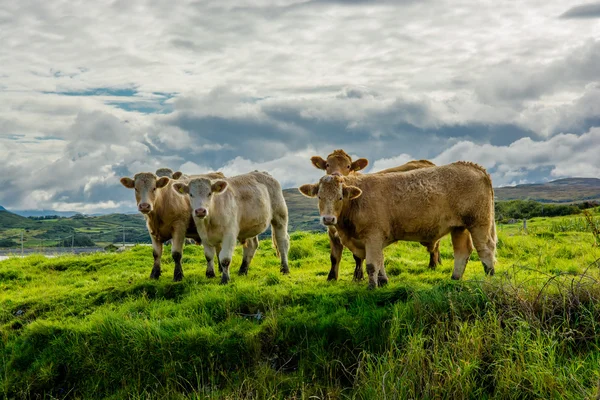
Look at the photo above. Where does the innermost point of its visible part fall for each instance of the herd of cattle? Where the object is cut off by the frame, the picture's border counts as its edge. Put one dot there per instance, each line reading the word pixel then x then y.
pixel 417 201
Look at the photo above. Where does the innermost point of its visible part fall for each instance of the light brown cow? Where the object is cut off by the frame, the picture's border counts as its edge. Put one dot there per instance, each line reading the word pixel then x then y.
pixel 168 216
pixel 168 172
pixel 340 163
pixel 237 208
pixel 372 211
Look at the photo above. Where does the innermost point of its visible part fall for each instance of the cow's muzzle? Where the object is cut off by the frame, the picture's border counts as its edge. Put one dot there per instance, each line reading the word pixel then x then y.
pixel 144 208
pixel 200 212
pixel 328 220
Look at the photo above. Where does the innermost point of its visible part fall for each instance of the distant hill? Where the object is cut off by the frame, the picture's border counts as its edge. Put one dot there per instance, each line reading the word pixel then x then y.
pixel 2 208
pixel 52 231
pixel 568 190
pixel 43 213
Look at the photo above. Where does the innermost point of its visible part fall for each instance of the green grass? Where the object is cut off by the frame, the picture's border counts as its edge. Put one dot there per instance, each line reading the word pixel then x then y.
pixel 95 326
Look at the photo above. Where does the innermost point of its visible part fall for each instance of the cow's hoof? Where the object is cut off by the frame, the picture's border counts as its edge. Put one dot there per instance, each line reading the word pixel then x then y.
pixel 382 281
pixel 243 271
pixel 224 280
pixel 210 274
pixel 178 277
pixel 155 274
pixel 285 270
pixel 331 277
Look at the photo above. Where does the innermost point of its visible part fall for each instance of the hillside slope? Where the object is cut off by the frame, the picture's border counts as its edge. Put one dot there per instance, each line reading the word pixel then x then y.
pixel 566 190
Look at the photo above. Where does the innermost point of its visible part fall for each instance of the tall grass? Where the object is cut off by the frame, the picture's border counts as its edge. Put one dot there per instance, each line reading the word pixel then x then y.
pixel 96 327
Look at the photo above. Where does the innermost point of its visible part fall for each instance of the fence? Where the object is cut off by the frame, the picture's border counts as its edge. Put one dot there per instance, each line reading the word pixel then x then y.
pixel 20 241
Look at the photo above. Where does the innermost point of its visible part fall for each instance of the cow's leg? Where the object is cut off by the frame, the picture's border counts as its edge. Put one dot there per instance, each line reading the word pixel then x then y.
pixel 336 249
pixel 485 244
pixel 157 249
pixel 461 243
pixel 358 271
pixel 225 255
pixel 434 253
pixel 177 251
pixel 374 258
pixel 209 254
pixel 249 250
pixel 218 249
pixel 282 241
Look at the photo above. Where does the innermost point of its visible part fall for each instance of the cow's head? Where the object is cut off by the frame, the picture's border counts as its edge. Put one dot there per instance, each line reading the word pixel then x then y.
pixel 146 185
pixel 339 163
pixel 332 192
pixel 168 172
pixel 201 191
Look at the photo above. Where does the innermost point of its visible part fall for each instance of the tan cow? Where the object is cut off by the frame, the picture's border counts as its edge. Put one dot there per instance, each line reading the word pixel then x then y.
pixel 168 216
pixel 237 208
pixel 340 163
pixel 168 172
pixel 372 211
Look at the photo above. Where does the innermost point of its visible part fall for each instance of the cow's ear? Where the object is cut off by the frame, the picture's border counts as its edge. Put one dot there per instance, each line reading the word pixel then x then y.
pixel 162 182
pixel 351 192
pixel 177 175
pixel 128 182
pixel 181 188
pixel 219 186
pixel 319 162
pixel 309 190
pixel 359 164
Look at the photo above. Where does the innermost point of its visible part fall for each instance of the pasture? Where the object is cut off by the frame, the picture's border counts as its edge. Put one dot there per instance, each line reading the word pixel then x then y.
pixel 96 326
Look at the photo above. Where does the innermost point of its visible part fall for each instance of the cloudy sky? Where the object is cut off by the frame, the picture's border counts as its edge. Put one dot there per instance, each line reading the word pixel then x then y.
pixel 92 91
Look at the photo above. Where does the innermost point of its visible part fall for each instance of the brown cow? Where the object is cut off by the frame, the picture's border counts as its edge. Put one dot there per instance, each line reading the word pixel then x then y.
pixel 372 211
pixel 340 163
pixel 168 216
pixel 237 208
pixel 168 172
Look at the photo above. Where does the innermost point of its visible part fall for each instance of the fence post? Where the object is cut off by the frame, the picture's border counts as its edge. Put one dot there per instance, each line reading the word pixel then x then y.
pixel 22 243
pixel 72 243
pixel 123 226
pixel 525 225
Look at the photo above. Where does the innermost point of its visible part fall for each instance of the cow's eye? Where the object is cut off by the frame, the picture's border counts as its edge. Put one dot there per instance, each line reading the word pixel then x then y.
pixel 210 194
pixel 341 198
pixel 191 195
pixel 348 167
pixel 327 165
pixel 154 190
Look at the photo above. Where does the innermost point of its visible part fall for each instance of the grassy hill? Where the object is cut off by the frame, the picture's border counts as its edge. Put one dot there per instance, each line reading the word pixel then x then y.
pixel 52 231
pixel 95 326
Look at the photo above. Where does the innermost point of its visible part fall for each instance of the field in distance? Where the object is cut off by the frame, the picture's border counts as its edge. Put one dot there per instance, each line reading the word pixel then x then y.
pixel 97 326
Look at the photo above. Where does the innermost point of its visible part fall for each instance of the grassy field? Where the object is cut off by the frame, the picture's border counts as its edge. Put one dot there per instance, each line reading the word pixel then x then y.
pixel 96 327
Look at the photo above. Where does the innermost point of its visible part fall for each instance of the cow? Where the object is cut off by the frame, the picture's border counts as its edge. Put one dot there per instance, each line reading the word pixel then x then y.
pixel 340 163
pixel 372 211
pixel 168 172
pixel 168 216
pixel 237 208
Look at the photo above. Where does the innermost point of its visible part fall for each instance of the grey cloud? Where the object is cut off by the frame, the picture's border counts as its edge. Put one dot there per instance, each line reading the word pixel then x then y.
pixel 510 82
pixel 584 11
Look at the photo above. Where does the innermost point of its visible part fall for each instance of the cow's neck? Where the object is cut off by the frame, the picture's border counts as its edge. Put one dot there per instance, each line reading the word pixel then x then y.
pixel 345 219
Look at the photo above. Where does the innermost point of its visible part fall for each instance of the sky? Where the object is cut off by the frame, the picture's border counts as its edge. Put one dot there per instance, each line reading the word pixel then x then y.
pixel 93 91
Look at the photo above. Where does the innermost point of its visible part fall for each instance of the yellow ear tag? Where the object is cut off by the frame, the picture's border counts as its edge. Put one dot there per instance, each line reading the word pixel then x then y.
pixel 181 189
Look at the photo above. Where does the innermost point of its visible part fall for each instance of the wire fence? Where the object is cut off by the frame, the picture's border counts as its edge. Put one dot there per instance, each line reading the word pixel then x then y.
pixel 22 242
